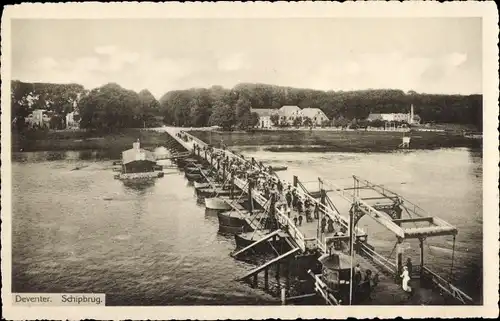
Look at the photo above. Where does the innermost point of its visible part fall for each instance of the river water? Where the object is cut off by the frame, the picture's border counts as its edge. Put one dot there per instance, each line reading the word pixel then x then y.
pixel 83 231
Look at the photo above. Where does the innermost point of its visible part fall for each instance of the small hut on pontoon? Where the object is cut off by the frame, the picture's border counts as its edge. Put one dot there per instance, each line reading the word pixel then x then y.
pixel 138 160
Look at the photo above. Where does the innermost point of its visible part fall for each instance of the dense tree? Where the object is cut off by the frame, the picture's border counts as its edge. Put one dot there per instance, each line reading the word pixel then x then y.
pixel 196 107
pixel 148 109
pixel 109 107
pixel 223 116
pixel 59 99
pixel 275 119
pixel 243 112
pixel 254 119
pixel 307 122
pixel 297 122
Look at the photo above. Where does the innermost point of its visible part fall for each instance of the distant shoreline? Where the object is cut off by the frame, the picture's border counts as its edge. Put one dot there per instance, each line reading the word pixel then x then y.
pixel 302 140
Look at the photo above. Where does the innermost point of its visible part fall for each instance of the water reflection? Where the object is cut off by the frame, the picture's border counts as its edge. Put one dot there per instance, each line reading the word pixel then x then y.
pixel 141 185
pixel 147 221
pixel 88 155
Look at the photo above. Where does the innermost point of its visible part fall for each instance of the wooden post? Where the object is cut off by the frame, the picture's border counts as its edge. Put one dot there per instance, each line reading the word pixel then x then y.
pixel 231 186
pixel 295 181
pixel 223 171
pixel 399 257
pixel 266 279
pixel 254 283
pixel 278 275
pixel 351 229
pixel 283 297
pixel 272 212
pixel 321 212
pixel 351 243
pixel 421 257
pixel 250 198
pixel 287 275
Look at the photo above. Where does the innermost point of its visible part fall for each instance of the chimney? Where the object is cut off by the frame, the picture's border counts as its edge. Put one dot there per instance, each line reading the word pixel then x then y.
pixel 137 145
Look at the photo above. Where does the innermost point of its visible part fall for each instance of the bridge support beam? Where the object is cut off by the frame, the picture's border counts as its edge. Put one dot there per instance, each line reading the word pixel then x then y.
pixel 421 256
pixel 250 198
pixel 231 185
pixel 399 257
pixel 266 280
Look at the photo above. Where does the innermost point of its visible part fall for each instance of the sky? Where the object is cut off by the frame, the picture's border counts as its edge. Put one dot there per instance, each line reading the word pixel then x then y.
pixel 431 55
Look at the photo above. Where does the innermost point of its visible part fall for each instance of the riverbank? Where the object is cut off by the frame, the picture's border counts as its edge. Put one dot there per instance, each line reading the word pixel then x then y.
pixel 75 140
pixel 277 141
pixel 338 141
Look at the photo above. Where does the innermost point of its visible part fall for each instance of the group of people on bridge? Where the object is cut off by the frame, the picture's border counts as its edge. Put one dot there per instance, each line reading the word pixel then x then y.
pixel 296 206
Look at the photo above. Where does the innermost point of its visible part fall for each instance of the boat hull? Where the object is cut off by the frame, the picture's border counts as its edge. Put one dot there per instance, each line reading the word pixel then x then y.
pixel 199 185
pixel 248 238
pixel 193 176
pixel 232 222
pixel 216 203
pixel 212 191
pixel 139 176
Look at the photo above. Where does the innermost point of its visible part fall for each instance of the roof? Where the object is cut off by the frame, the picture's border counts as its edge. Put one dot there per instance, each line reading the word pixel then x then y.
pixel 264 111
pixel 133 155
pixel 374 117
pixel 312 112
pixel 288 110
pixel 337 261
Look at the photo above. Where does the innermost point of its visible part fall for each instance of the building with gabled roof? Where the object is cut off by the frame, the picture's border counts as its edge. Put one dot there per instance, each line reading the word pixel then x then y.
pixel 265 116
pixel 317 116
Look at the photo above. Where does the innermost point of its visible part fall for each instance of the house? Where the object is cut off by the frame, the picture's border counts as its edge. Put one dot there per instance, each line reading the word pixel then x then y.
pixel 374 116
pixel 264 117
pixel 38 118
pixel 71 123
pixel 410 117
pixel 288 113
pixel 138 160
pixel 316 115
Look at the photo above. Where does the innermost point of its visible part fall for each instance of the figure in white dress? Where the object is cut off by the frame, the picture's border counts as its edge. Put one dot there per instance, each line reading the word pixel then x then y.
pixel 406 280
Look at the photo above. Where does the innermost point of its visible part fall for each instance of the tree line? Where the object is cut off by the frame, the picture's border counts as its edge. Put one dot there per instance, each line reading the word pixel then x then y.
pixel 231 107
pixel 111 106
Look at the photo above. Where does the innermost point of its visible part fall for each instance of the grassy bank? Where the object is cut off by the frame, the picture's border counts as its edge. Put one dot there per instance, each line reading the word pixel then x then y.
pixel 338 141
pixel 320 141
pixel 85 140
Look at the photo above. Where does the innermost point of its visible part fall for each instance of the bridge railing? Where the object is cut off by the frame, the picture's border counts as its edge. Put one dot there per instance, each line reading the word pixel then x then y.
pixel 283 218
pixel 446 286
pixel 378 259
pixel 292 230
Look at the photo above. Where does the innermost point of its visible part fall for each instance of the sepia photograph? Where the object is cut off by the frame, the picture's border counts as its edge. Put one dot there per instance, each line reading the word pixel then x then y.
pixel 320 164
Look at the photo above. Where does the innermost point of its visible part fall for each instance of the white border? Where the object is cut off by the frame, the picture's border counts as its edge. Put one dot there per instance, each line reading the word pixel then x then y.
pixel 486 10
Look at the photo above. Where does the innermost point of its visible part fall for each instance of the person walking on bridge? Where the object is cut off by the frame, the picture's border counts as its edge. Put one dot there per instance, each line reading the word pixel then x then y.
pixel 288 197
pixel 308 214
pixel 323 225
pixel 406 280
pixel 331 229
pixel 409 265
